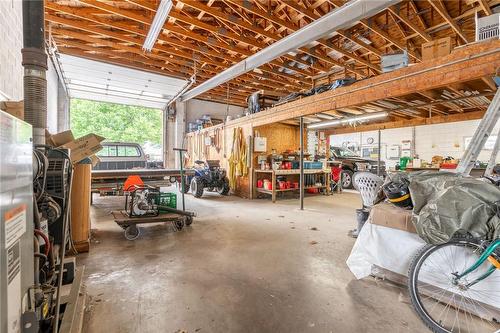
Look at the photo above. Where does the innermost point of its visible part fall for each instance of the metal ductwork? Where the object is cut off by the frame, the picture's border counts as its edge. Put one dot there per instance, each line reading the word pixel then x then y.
pixel 35 68
pixel 341 18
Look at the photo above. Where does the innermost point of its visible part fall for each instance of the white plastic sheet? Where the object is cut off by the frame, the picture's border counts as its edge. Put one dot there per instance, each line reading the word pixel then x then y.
pixel 393 250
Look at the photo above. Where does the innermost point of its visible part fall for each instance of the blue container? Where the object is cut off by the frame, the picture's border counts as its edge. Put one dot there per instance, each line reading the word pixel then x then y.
pixel 313 165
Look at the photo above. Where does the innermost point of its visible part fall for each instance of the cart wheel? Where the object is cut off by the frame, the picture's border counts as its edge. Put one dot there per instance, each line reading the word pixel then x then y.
pixel 179 224
pixel 188 220
pixel 132 232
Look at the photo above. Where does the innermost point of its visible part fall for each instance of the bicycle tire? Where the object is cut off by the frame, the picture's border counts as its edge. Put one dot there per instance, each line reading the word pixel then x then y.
pixel 413 275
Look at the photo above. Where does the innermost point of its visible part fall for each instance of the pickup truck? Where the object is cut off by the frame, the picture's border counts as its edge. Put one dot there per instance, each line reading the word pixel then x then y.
pixel 351 163
pixel 124 156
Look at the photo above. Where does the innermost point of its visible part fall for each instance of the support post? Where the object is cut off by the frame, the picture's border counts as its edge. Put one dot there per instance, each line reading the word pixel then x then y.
pixel 479 138
pixel 301 163
pixel 491 163
pixel 379 152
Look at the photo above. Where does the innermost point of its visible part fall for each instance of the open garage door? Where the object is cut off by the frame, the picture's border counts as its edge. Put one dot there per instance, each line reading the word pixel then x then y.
pixel 103 82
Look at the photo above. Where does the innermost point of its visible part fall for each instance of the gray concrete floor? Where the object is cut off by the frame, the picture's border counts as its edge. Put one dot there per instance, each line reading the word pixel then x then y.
pixel 243 266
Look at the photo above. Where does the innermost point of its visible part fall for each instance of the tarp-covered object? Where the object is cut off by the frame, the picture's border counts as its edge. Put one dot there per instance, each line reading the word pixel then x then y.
pixel 447 203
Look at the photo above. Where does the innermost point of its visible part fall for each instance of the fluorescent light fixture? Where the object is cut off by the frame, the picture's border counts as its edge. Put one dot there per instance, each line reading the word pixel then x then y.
pixel 335 122
pixel 157 25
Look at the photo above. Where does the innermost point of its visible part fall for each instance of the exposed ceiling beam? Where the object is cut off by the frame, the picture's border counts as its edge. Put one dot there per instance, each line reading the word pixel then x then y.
pixel 396 11
pixel 340 18
pixel 440 8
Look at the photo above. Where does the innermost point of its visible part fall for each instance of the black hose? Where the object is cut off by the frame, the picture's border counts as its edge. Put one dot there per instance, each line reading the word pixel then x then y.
pixel 41 256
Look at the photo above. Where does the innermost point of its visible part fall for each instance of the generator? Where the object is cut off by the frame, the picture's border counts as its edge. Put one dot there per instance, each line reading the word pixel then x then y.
pixel 16 225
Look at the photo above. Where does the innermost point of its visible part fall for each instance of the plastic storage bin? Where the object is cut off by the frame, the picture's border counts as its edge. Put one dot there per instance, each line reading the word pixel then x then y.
pixel 167 199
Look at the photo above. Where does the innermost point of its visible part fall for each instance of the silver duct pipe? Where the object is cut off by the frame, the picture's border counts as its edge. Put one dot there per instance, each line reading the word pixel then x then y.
pixel 340 18
pixel 35 68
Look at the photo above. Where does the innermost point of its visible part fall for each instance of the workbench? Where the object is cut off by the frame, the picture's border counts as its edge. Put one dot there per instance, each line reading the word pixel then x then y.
pixel 290 172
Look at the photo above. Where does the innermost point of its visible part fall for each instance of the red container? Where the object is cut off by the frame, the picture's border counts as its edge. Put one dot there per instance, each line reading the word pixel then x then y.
pixel 282 185
pixel 288 184
pixel 312 190
pixel 449 165
pixel 260 183
pixel 295 185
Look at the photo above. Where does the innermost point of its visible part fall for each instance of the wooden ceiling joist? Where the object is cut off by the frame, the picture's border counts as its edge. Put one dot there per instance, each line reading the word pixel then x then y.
pixel 211 36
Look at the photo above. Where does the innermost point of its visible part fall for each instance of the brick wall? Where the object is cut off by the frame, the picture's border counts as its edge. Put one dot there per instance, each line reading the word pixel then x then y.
pixel 11 42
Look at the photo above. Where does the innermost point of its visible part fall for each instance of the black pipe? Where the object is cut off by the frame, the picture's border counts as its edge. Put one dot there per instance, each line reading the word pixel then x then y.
pixel 33 24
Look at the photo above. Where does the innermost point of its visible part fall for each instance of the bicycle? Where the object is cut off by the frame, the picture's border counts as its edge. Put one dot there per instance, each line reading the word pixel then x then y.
pixel 455 287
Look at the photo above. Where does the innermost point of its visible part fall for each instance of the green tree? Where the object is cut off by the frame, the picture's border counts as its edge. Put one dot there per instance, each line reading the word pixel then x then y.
pixel 116 122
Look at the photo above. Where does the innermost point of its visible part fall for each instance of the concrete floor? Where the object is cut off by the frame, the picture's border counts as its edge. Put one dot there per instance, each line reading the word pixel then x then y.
pixel 243 266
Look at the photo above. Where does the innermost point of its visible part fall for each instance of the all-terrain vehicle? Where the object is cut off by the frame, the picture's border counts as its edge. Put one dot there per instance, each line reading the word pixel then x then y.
pixel 209 175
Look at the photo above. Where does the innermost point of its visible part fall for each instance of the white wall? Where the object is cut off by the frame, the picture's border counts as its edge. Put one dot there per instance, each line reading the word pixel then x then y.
pixel 11 42
pixel 440 139
pixel 197 108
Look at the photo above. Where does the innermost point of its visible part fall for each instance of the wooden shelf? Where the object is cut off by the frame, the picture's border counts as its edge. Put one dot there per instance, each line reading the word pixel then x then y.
pixel 285 172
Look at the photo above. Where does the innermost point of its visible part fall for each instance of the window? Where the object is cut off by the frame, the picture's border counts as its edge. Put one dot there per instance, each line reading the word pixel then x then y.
pixel 119 151
pixel 128 151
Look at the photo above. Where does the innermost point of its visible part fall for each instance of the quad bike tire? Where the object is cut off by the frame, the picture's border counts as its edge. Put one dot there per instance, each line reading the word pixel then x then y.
pixel 186 185
pixel 224 189
pixel 188 220
pixel 197 187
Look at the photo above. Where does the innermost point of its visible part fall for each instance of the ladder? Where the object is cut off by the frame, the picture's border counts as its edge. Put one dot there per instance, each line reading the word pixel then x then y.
pixel 479 138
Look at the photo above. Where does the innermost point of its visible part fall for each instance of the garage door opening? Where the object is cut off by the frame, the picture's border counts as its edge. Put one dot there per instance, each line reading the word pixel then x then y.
pixel 133 133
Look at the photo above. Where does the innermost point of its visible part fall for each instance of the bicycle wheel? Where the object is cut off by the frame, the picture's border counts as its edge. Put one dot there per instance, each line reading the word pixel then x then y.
pixel 446 305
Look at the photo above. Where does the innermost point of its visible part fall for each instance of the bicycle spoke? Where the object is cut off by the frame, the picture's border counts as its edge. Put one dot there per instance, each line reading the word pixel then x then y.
pixel 450 302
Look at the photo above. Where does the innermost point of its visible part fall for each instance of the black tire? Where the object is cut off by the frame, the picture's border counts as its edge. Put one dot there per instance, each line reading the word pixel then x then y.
pixel 188 220
pixel 179 224
pixel 437 325
pixel 132 232
pixel 346 179
pixel 186 185
pixel 197 187
pixel 224 189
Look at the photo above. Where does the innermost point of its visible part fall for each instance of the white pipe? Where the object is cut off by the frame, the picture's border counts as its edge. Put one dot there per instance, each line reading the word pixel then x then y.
pixel 340 18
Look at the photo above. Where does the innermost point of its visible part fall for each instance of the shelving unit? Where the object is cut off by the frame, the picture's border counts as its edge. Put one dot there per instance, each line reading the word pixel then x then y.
pixel 293 172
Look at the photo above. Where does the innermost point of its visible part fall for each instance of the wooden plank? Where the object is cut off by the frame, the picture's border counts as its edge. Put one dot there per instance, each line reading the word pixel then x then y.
pixel 464 64
pixel 80 203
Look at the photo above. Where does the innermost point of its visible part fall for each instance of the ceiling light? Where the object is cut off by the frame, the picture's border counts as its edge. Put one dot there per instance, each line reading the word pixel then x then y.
pixel 335 122
pixel 157 25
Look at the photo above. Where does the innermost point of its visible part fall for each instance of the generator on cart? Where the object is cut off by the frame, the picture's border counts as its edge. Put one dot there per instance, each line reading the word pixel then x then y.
pixel 209 175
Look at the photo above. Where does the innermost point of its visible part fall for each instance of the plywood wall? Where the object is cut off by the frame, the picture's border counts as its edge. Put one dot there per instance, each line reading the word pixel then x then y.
pixel 198 150
pixel 280 137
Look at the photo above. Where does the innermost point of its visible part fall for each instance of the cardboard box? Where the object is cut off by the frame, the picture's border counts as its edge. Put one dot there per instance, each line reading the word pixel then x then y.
pixel 388 215
pixel 86 146
pixel 13 108
pixel 436 49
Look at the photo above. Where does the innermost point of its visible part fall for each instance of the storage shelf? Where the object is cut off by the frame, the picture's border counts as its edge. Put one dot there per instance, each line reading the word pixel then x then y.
pixel 262 190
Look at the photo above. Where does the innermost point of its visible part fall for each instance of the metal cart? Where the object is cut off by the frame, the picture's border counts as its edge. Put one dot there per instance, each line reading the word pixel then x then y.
pixel 129 224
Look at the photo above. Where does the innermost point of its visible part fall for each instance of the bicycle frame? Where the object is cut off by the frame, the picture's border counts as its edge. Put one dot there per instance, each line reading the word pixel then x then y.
pixel 486 254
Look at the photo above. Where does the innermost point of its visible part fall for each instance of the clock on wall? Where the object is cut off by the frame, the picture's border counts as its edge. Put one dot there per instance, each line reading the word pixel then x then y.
pixel 370 140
